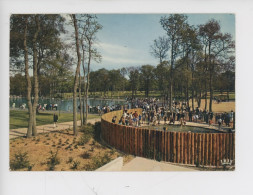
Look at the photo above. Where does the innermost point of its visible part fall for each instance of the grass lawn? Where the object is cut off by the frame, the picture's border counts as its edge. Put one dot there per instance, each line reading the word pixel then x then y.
pixel 19 119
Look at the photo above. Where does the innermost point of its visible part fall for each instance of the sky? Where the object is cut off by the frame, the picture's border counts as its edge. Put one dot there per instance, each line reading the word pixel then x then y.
pixel 125 39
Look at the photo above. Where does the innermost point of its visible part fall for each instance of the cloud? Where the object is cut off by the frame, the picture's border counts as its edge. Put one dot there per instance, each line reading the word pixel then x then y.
pixel 114 55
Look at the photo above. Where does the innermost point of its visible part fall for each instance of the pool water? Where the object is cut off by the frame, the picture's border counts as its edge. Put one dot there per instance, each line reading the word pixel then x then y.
pixel 179 128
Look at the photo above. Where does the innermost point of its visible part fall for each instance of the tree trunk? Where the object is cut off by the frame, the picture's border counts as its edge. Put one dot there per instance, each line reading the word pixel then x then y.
pixel 76 76
pixel 88 82
pixel 192 93
pixel 210 78
pixel 35 76
pixel 84 84
pixel 80 99
pixel 29 84
pixel 205 95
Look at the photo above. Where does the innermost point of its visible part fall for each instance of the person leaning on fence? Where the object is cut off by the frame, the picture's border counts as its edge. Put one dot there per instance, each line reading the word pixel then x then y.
pixel 55 120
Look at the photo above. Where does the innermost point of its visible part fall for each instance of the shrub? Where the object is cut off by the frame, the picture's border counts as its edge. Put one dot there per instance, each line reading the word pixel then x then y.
pixel 53 160
pixel 20 161
pixel 98 161
pixel 70 160
pixel 84 139
pixel 75 164
pixel 85 155
pixel 97 131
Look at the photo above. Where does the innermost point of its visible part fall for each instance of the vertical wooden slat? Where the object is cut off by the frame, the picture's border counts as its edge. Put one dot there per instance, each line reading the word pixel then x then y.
pixel 162 145
pixel 135 141
pixel 203 148
pixel 207 149
pixel 185 148
pixel 193 148
pixel 178 146
pixel 189 148
pixel 211 149
pixel 169 146
pixel 234 146
pixel 174 136
pixel 196 148
pixel 182 148
pixel 200 148
pixel 231 146
pixel 217 149
pixel 214 150
pixel 227 146
pixel 154 138
pixel 165 146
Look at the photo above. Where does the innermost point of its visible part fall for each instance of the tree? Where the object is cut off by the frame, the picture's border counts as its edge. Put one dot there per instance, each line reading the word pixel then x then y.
pixel 160 48
pixel 88 28
pixel 134 80
pixel 219 47
pixel 161 72
pixel 26 42
pixel 147 78
pixel 173 25
pixel 73 16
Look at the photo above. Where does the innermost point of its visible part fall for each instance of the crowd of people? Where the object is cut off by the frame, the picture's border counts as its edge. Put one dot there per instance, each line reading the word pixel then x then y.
pixel 154 112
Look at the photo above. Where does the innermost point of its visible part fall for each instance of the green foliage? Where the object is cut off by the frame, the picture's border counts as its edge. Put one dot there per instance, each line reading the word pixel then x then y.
pixel 85 138
pixel 98 161
pixel 20 161
pixel 97 131
pixel 53 160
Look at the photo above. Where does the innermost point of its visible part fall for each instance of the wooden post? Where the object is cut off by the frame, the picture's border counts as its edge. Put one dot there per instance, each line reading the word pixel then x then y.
pixel 174 136
pixel 193 148
pixel 189 148
pixel 178 146
pixel 186 148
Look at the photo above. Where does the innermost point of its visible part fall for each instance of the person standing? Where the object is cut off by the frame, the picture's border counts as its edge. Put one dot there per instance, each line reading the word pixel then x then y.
pixel 55 120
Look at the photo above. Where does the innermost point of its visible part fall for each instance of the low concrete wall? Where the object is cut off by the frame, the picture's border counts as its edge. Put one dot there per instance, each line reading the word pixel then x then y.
pixel 115 165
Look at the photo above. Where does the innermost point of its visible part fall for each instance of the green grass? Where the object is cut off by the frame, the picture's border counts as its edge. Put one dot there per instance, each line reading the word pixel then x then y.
pixel 19 119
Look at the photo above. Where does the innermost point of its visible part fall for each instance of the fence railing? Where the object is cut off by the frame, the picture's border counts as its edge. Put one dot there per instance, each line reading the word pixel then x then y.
pixel 207 149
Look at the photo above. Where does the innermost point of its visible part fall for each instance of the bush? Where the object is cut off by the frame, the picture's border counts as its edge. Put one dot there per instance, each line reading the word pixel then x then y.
pixel 75 165
pixel 97 131
pixel 98 161
pixel 20 161
pixel 85 138
pixel 85 155
pixel 70 160
pixel 53 160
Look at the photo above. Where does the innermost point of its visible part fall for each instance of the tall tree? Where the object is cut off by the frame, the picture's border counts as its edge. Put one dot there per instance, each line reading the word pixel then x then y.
pixel 160 48
pixel 89 29
pixel 219 45
pixel 173 25
pixel 29 84
pixel 147 78
pixel 73 16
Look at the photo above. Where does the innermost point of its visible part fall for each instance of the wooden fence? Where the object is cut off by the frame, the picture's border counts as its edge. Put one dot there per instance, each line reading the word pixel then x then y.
pixel 178 147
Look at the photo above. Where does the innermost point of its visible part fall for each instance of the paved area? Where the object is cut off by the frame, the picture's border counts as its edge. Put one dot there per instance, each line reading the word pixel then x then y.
pixel 14 133
pixel 197 124
pixel 143 164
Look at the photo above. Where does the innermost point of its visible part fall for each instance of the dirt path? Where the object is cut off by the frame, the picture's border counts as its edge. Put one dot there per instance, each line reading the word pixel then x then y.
pixel 14 133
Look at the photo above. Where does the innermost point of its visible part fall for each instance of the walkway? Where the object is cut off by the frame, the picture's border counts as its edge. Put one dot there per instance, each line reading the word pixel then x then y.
pixel 14 133
pixel 143 164
pixel 196 124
